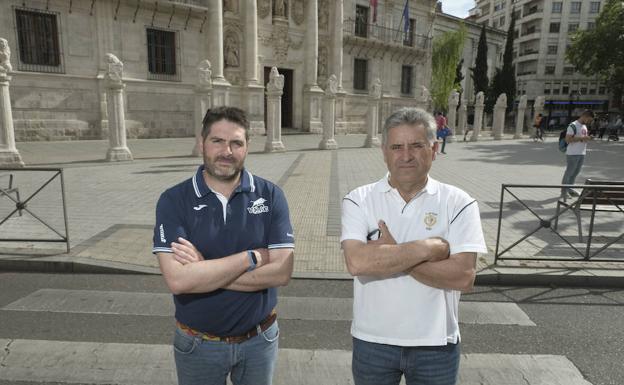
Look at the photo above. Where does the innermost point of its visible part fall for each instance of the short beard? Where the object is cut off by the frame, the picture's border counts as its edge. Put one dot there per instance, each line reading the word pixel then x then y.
pixel 210 170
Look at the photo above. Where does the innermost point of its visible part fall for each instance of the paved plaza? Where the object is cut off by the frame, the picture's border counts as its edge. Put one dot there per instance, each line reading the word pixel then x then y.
pixel 110 206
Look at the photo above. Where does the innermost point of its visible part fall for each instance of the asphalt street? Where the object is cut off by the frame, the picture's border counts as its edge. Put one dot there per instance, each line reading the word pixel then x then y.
pixel 582 325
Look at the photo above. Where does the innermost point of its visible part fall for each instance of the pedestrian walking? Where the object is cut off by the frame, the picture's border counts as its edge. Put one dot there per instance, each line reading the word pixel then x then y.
pixel 576 137
pixel 442 130
pixel 224 242
pixel 538 123
pixel 411 244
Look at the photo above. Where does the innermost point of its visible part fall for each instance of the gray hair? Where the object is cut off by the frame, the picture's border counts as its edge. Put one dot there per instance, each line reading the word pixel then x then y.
pixel 411 116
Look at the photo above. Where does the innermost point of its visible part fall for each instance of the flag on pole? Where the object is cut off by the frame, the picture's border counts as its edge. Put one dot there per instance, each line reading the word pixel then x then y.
pixel 373 5
pixel 406 21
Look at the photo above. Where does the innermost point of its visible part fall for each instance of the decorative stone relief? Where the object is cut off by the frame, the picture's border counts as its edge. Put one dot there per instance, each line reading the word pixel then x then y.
pixel 264 8
pixel 232 50
pixel 230 6
pixel 281 41
pixel 279 8
pixel 298 11
pixel 322 61
pixel 323 15
pixel 5 56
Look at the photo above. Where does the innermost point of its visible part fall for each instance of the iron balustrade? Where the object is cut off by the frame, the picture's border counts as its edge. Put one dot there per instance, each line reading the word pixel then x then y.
pixel 354 28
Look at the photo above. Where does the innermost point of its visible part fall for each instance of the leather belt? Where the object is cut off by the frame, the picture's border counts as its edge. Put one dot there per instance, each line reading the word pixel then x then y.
pixel 262 326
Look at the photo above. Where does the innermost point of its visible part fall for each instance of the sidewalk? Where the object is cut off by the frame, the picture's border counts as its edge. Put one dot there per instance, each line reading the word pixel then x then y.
pixel 111 205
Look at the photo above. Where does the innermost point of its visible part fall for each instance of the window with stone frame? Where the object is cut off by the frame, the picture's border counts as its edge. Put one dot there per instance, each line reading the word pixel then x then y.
pixel 360 74
pixel 575 7
pixel 161 55
pixel 407 72
pixel 554 27
pixel 361 21
pixel 552 49
pixel 38 41
pixel 557 6
pixel 594 7
pixel 549 70
pixel 573 27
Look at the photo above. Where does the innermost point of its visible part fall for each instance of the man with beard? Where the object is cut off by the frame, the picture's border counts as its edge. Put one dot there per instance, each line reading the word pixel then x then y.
pixel 224 242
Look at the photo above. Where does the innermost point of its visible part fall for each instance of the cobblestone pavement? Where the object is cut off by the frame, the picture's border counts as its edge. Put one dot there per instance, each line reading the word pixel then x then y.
pixel 110 206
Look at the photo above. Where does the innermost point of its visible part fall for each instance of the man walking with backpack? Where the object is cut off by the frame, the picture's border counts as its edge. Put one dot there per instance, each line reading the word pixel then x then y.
pixel 576 139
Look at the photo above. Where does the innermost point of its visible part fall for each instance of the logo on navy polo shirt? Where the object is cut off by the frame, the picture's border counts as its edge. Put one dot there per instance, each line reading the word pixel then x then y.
pixel 258 206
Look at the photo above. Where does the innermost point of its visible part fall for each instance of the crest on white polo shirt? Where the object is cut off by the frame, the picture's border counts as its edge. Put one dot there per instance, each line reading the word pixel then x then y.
pixel 430 220
pixel 258 206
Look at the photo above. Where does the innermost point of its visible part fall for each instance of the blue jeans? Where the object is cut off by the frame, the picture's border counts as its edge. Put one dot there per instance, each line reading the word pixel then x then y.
pixel 379 364
pixel 209 362
pixel 574 163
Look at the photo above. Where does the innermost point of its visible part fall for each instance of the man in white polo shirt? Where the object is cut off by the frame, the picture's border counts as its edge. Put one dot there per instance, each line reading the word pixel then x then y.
pixel 411 243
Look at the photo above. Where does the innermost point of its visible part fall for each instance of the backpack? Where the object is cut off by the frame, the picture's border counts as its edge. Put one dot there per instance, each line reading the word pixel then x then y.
pixel 563 145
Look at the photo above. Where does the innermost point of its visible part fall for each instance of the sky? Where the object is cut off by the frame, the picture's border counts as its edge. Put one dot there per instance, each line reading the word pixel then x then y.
pixel 457 8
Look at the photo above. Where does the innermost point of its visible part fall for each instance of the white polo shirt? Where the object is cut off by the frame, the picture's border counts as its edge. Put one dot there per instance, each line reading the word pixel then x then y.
pixel 400 310
pixel 577 148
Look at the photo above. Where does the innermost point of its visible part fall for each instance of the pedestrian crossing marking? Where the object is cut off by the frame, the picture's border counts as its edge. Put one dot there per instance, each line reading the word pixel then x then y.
pixel 144 364
pixel 293 308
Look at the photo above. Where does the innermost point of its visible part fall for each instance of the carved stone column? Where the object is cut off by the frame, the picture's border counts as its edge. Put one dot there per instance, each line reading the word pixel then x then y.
pixel 453 102
pixel 251 41
pixel 274 91
pixel 312 93
pixel 118 149
pixel 372 115
pixel 522 106
pixel 203 102
pixel 337 55
pixel 329 115
pixel 478 118
pixel 9 156
pixel 498 126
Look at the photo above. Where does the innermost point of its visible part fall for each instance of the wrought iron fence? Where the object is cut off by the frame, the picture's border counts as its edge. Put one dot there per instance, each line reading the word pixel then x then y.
pixel 595 196
pixel 19 206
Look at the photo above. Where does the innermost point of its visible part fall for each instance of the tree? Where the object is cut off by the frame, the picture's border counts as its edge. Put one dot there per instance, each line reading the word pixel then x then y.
pixel 479 71
pixel 508 73
pixel 600 51
pixel 447 50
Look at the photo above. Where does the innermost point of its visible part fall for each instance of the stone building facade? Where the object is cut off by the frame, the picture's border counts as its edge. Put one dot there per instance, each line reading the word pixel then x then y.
pixel 59 49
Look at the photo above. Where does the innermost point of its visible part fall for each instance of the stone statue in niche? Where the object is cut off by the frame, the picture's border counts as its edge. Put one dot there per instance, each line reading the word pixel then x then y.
pixel 5 56
pixel 230 5
pixel 231 52
pixel 279 8
pixel 332 86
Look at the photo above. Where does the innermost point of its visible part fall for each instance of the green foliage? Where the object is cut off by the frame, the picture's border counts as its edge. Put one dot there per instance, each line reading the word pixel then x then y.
pixel 508 73
pixel 480 70
pixel 600 51
pixel 447 49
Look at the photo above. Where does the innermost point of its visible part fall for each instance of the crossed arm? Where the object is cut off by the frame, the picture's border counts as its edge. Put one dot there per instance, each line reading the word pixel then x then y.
pixel 186 271
pixel 427 260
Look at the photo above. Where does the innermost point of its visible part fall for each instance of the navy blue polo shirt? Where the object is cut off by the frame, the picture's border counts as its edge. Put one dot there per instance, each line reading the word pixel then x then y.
pixel 255 216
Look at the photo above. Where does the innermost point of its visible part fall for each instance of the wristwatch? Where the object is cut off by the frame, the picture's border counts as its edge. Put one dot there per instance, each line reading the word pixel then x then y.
pixel 253 261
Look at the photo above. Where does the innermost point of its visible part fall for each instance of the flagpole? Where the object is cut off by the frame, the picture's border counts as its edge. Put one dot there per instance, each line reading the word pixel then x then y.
pixel 402 16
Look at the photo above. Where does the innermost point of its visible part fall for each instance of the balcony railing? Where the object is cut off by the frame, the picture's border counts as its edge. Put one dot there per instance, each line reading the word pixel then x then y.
pixel 386 35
